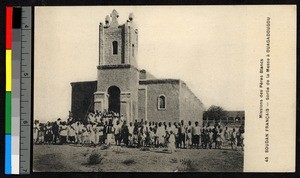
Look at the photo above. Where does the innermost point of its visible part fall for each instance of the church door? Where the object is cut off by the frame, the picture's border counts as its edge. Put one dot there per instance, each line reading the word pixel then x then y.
pixel 114 99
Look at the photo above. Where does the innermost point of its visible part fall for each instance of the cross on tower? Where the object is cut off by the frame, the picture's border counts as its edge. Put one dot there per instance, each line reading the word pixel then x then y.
pixel 114 18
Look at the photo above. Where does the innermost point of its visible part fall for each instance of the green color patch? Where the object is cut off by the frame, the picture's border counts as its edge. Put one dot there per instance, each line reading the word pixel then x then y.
pixel 8 113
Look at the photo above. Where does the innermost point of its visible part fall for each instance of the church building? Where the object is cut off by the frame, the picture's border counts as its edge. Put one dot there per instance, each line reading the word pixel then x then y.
pixel 125 89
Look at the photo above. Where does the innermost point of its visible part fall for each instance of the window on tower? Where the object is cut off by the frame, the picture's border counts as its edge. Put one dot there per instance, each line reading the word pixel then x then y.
pixel 133 50
pixel 161 102
pixel 115 47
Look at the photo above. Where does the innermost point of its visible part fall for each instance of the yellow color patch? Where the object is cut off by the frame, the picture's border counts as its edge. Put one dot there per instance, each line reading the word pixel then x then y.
pixel 8 70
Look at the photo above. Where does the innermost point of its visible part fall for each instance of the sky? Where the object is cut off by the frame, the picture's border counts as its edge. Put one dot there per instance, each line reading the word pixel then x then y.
pixel 202 45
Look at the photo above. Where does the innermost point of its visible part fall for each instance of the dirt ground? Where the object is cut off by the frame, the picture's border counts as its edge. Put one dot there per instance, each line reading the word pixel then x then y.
pixel 72 158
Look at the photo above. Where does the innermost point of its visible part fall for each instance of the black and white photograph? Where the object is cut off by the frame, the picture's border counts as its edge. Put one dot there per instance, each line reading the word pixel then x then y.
pixel 142 88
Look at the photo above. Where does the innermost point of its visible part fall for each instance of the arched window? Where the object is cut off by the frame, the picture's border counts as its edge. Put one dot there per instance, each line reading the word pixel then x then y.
pixel 115 47
pixel 132 50
pixel 161 102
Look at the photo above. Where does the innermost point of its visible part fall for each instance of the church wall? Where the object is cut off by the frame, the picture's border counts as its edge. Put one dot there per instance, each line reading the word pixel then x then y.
pixel 171 92
pixel 142 94
pixel 127 38
pixel 191 108
pixel 82 98
pixel 126 78
pixel 131 41
pixel 114 34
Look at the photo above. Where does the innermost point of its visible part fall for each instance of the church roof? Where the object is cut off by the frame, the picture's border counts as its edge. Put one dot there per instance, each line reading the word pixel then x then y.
pixel 119 66
pixel 82 82
pixel 160 81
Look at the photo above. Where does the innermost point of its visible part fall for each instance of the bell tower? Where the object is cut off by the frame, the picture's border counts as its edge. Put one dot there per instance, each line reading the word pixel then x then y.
pixel 118 76
pixel 118 44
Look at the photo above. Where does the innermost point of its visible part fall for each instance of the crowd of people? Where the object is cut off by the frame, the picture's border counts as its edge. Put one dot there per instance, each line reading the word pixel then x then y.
pixel 108 128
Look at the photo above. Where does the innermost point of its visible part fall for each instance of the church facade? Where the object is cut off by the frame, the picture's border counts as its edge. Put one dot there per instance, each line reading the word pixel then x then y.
pixel 123 88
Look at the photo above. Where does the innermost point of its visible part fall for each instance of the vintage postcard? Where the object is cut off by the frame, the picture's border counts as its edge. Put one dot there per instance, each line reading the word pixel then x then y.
pixel 164 89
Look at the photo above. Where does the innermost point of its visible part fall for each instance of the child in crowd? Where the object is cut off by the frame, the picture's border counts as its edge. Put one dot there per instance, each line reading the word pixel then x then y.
pixel 210 138
pixel 91 134
pixel 41 132
pixel 130 133
pixel 85 137
pixel 219 139
pixel 151 136
pixel 233 139
pixel 160 135
pixel 242 140
pixel 72 134
pixel 141 137
pixel 135 134
pixel 35 131
pixel 171 142
pixel 110 135
pixel 63 133
pixel 96 129
pixel 99 132
pixel 48 133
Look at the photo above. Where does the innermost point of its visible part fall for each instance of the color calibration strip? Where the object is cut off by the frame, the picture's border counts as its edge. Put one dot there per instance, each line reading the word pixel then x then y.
pixel 18 90
pixel 8 87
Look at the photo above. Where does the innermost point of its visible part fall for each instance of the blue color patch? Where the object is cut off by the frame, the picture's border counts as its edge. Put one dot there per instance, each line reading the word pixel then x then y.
pixel 7 154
